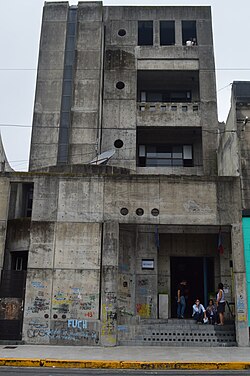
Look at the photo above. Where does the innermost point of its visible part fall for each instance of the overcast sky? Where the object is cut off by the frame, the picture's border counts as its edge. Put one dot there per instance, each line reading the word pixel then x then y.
pixel 20 23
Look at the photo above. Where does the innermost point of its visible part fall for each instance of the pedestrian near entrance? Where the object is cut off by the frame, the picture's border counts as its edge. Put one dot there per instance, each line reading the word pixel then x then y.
pixel 220 302
pixel 211 312
pixel 199 312
pixel 181 301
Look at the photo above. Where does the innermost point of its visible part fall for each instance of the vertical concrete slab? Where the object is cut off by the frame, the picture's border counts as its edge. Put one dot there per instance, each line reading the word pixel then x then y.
pixel 86 109
pixel 241 311
pixel 47 105
pixel 109 283
pixel 4 203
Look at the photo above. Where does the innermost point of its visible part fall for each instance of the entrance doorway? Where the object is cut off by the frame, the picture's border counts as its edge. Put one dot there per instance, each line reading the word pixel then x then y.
pixel 199 274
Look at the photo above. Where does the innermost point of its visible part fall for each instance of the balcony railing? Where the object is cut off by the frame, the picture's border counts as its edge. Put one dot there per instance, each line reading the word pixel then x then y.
pixel 160 107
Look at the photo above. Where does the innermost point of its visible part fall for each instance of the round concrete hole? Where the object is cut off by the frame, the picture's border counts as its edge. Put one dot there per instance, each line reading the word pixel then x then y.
pixel 139 212
pixel 124 211
pixel 155 212
pixel 118 144
pixel 122 32
pixel 120 85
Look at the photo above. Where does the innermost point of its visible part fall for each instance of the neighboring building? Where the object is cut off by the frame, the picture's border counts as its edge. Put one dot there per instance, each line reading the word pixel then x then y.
pixel 234 156
pixel 105 244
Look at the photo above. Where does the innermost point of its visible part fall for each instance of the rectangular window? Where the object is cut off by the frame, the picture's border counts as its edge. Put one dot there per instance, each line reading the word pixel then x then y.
pixel 166 96
pixel 167 33
pixel 165 155
pixel 145 33
pixel 189 37
pixel 19 260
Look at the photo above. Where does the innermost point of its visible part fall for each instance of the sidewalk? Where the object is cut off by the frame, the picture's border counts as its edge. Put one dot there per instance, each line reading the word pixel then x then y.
pixel 139 357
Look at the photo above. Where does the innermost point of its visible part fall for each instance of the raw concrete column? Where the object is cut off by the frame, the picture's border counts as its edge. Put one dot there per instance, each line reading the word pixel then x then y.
pixel 109 283
pixel 178 33
pixel 241 319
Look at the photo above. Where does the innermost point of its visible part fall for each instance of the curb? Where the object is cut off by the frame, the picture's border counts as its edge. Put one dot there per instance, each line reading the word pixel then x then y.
pixel 117 364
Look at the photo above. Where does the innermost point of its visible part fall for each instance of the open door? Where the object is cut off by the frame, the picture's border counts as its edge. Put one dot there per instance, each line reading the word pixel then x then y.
pixel 199 274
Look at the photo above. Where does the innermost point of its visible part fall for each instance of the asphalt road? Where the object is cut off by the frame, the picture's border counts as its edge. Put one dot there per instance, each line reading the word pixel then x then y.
pixel 14 371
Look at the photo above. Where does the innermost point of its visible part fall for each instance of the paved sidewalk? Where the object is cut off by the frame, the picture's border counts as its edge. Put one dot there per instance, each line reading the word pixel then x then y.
pixel 139 357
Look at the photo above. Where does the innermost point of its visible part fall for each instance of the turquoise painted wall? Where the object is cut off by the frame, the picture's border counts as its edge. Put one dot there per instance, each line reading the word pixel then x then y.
pixel 246 237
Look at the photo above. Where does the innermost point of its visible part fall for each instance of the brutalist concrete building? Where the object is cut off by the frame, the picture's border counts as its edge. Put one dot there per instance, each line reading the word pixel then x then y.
pixel 123 198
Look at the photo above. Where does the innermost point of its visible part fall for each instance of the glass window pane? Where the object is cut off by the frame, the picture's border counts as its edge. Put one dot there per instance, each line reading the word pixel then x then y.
pixel 154 97
pixel 177 162
pixel 167 33
pixel 145 33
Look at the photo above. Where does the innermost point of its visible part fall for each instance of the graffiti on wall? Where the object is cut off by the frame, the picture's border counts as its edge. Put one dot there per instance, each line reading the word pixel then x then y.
pixel 143 310
pixel 73 300
pixel 39 305
pixel 109 317
pixel 73 330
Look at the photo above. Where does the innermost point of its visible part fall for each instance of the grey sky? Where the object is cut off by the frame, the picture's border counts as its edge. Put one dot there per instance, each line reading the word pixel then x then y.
pixel 20 22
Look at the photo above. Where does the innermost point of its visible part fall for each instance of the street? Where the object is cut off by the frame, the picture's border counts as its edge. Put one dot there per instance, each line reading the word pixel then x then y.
pixel 14 371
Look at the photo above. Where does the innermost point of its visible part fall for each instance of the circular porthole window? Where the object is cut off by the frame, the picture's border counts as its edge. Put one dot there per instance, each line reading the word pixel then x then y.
pixel 122 33
pixel 118 144
pixel 155 212
pixel 124 211
pixel 120 85
pixel 139 212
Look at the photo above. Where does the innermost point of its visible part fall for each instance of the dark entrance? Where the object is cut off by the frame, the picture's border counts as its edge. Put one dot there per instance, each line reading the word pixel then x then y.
pixel 199 273
pixel 12 293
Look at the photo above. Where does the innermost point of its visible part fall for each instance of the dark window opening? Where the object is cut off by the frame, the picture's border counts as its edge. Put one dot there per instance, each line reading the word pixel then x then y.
pixel 19 260
pixel 165 155
pixel 166 96
pixel 189 36
pixel 167 33
pixel 28 199
pixel 145 33
pixel 21 200
pixel 168 86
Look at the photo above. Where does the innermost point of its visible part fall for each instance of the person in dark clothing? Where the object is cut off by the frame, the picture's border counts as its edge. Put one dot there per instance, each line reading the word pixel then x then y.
pixel 181 301
pixel 211 312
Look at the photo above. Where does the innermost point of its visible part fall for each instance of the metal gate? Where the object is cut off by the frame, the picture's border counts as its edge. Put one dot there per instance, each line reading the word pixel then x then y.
pixel 12 293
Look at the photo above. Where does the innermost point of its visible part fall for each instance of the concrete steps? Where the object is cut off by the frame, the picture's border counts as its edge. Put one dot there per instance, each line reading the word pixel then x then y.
pixel 174 332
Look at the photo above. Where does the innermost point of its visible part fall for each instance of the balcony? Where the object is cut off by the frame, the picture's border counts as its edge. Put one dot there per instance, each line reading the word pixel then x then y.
pixel 168 98
pixel 170 114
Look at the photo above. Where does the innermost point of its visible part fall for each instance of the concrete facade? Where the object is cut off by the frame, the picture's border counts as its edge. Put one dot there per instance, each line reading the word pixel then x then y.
pixel 102 242
pixel 233 160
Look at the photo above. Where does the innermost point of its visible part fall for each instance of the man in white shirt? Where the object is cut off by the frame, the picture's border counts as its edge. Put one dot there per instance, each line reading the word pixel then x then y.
pixel 199 312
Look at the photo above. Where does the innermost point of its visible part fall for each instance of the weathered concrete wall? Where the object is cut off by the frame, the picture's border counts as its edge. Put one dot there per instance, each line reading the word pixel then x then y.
pixel 109 285
pixel 86 110
pixel 4 203
pixel 63 281
pixel 47 105
pixel 228 147
pixel 66 250
pixel 102 113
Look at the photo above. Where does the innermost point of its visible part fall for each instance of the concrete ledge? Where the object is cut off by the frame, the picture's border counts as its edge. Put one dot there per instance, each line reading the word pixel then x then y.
pixel 116 364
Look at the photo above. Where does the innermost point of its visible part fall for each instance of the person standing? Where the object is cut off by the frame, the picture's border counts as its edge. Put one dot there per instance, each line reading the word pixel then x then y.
pixel 220 302
pixel 181 301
